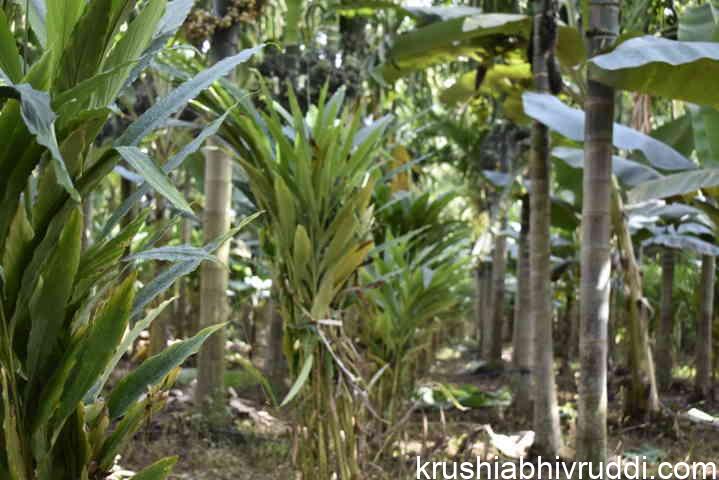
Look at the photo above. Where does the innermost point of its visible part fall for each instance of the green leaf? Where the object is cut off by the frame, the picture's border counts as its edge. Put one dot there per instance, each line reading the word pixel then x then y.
pixel 130 47
pixel 474 36
pixel 683 242
pixel 10 60
pixel 153 370
pixel 177 98
pixel 50 298
pixel 568 121
pixel 677 133
pixel 301 251
pixel 683 183
pixel 628 172
pixel 174 162
pixel 127 342
pixel 157 471
pixel 699 24
pixel 301 378
pixel 161 282
pixel 154 176
pixel 39 119
pixel 98 347
pixel 89 42
pixel 62 15
pixel 705 126
pixel 661 67
pixel 18 248
pixel 167 277
pixel 176 253
pixel 37 12
pixel 13 445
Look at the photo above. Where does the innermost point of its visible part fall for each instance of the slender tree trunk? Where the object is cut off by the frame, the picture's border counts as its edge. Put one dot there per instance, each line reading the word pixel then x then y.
pixel 602 26
pixel 213 277
pixel 499 264
pixel 546 412
pixel 642 398
pixel 213 284
pixel 665 330
pixel 703 383
pixel 523 348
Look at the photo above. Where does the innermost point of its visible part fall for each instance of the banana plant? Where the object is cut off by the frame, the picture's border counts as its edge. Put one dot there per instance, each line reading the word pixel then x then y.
pixel 68 314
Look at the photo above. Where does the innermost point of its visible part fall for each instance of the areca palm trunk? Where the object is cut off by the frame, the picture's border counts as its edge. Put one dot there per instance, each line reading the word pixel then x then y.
pixel 546 412
pixel 703 380
pixel 665 330
pixel 602 27
pixel 499 266
pixel 214 276
pixel 642 398
pixel 522 350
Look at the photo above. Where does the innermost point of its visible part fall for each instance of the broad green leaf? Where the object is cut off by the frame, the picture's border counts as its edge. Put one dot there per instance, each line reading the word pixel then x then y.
pixel 175 15
pixel 683 183
pixel 661 67
pixel 568 121
pixel 157 471
pixel 161 282
pixel 628 172
pixel 39 119
pixel 301 251
pixel 37 12
pixel 705 127
pixel 12 443
pixel 138 413
pixel 475 36
pixel 178 97
pixel 174 162
pixel 683 242
pixel 48 304
pixel 90 40
pixel 17 249
pixel 301 378
pixel 421 14
pixel 127 342
pixel 154 176
pixel 130 47
pixel 173 253
pixel 168 276
pixel 153 370
pixel 98 347
pixel 699 24
pixel 10 60
pixel 62 15
pixel 499 80
pixel 677 133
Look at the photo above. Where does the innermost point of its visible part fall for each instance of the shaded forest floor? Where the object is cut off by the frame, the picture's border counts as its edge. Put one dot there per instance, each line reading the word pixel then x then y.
pixel 256 444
